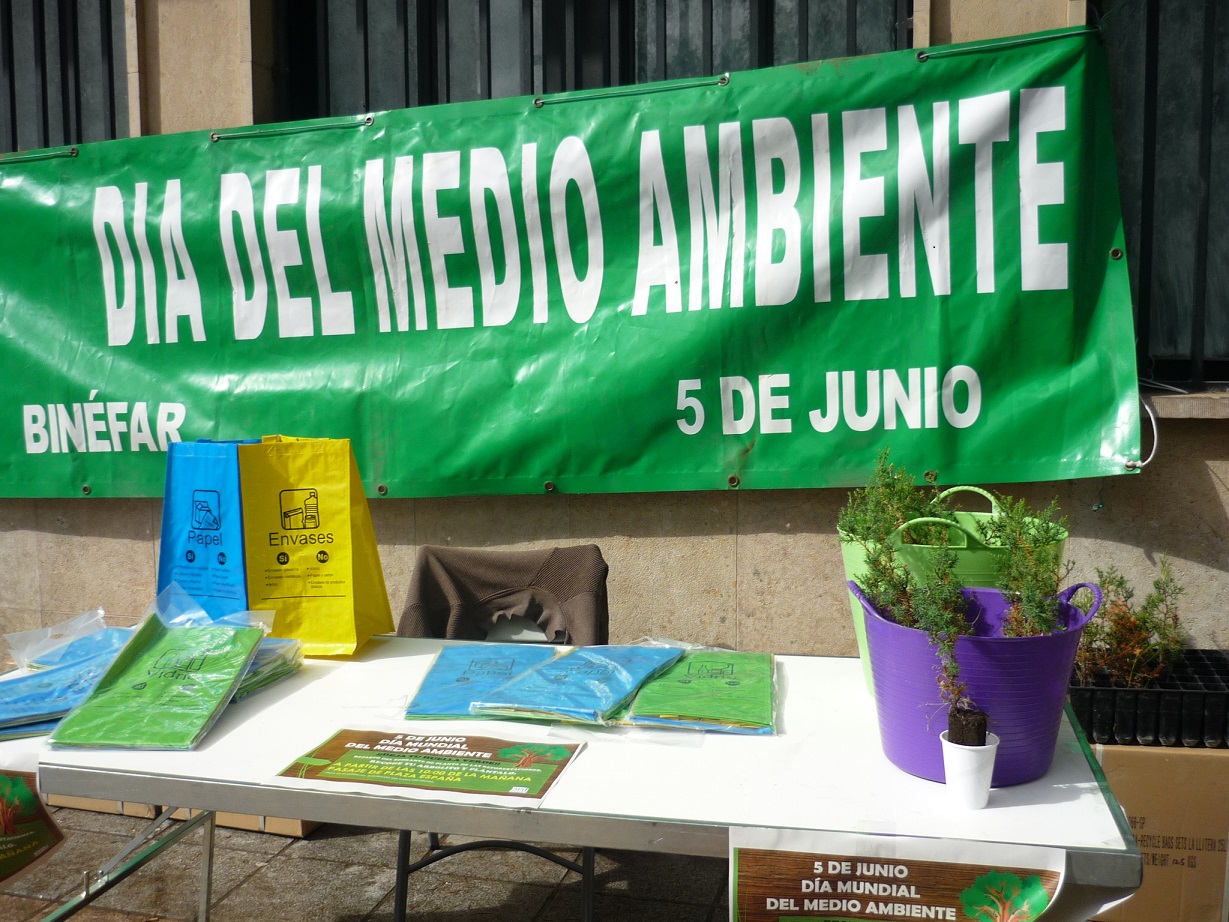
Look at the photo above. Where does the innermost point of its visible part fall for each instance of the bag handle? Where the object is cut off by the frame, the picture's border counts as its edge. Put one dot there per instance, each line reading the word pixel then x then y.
pixel 1097 598
pixel 970 540
pixel 994 504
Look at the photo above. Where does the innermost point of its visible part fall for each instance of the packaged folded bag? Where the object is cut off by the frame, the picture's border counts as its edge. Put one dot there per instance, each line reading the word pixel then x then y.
pixel 585 685
pixel 27 647
pixel 170 683
pixel 709 689
pixel 49 693
pixel 463 674
pixel 107 641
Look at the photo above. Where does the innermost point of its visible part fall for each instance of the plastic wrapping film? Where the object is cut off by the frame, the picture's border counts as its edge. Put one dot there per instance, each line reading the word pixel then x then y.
pixel 584 685
pixel 276 658
pixel 27 648
pixel 47 695
pixel 168 686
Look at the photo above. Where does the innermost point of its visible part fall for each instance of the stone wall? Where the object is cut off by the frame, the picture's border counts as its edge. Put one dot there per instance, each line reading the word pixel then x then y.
pixel 755 570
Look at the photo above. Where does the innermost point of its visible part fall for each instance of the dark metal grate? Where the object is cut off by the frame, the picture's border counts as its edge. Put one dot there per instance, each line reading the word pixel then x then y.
pixel 64 74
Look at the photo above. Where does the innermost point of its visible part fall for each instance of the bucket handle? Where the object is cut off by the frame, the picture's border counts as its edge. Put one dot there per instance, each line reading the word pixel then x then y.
pixel 1097 598
pixel 970 540
pixel 994 503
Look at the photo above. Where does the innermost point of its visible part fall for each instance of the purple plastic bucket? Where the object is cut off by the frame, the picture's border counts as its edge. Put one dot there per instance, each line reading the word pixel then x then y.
pixel 1020 682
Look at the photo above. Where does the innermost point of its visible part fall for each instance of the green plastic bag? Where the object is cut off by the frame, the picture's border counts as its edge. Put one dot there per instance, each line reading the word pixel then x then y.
pixel 165 689
pixel 718 690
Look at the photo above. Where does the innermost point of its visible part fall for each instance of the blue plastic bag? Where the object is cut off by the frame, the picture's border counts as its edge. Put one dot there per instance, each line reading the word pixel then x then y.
pixel 463 674
pixel 585 685
pixel 50 693
pixel 108 640
pixel 202 526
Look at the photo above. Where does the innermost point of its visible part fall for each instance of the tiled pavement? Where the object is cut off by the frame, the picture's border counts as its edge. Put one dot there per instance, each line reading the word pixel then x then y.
pixel 345 874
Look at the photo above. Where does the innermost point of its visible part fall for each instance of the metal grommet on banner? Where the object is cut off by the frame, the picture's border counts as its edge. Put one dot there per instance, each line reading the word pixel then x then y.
pixel 923 56
pixel 723 80
pixel 214 136
pixel 1116 253
pixel 733 480
pixel 538 103
pixel 85 489
pixel 382 490
pixel 549 486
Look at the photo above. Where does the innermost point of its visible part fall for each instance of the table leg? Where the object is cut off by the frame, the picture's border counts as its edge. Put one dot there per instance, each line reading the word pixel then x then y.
pixel 402 880
pixel 586 886
pixel 150 841
pixel 202 912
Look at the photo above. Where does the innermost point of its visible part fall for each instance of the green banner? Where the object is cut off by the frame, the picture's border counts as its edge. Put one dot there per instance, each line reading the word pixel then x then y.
pixel 756 280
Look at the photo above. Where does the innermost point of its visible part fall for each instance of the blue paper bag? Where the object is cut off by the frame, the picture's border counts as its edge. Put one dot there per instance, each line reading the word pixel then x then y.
pixel 202 526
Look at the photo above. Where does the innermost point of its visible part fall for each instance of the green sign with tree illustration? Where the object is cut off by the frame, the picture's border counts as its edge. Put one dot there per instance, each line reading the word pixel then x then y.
pixel 27 831
pixel 464 764
pixel 788 886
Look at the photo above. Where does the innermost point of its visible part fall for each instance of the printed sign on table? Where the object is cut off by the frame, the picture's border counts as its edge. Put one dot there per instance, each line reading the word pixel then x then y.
pixel 464 764
pixel 847 878
pixel 27 831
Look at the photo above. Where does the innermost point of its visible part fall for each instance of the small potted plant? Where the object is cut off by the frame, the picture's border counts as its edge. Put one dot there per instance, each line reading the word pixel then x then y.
pixel 1136 680
pixel 1011 657
pixel 937 605
pixel 867 524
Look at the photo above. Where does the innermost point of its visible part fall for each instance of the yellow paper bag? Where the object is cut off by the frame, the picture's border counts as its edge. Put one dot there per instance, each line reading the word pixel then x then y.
pixel 310 546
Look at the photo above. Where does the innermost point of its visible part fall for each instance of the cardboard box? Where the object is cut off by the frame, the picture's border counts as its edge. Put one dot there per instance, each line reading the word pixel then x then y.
pixel 271 824
pixel 1177 802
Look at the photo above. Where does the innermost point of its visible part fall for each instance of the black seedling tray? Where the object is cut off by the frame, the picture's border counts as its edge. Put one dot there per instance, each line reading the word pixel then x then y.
pixel 1188 707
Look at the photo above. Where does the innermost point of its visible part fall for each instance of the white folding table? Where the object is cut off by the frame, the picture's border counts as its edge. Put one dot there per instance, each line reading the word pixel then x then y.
pixel 657 791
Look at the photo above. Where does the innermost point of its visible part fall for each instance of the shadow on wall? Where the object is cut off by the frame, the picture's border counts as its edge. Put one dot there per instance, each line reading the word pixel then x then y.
pixel 752 569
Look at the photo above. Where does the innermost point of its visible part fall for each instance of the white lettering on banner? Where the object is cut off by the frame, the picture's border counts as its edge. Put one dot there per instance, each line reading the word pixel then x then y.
pixel 918 403
pixel 924 202
pixel 778 228
pixel 658 263
pixel 1043 266
pixel 100 426
pixel 921 181
pixel 149 278
pixel 454 306
pixel 182 297
pixel 336 307
pixel 394 251
pixel 488 176
pixel 183 294
pixel 920 400
pixel 248 313
pixel 295 312
pixel 572 167
pixel 821 230
pixel 395 260
pixel 866 275
pixel 533 224
pixel 108 226
pixel 984 122
pixel 719 219
pixel 451 233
